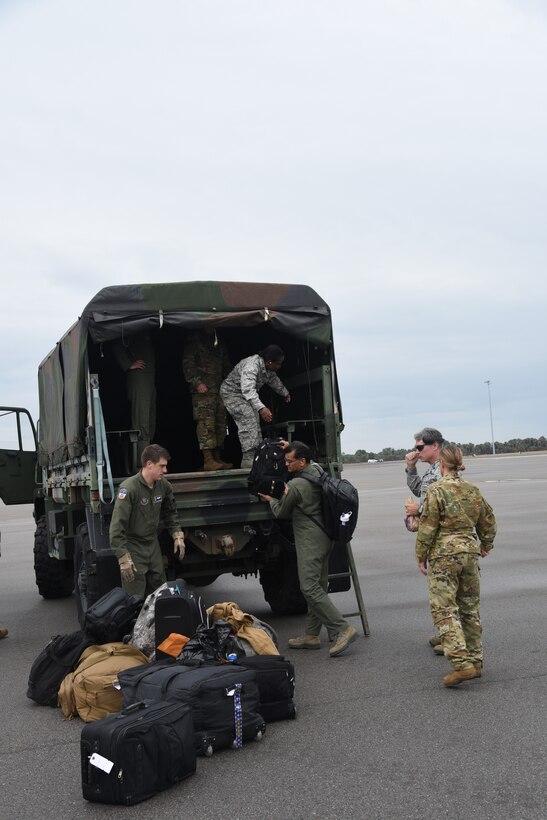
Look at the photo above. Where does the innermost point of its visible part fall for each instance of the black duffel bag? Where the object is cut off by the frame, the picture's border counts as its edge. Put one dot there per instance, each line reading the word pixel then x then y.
pixel 112 617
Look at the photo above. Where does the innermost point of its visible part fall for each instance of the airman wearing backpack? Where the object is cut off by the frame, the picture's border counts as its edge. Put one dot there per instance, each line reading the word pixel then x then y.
pixel 302 503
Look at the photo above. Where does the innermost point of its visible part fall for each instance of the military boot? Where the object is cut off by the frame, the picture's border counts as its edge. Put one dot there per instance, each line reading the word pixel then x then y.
pixel 209 463
pixel 459 675
pixel 217 456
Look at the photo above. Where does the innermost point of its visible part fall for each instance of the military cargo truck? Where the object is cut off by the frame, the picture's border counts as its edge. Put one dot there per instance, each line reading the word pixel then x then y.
pixel 70 466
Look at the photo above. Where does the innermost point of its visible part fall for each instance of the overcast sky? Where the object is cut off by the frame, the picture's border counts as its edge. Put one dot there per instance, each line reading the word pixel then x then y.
pixel 391 154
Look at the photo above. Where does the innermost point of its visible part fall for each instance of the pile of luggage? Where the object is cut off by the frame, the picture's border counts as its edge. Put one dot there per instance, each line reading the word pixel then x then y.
pixel 159 682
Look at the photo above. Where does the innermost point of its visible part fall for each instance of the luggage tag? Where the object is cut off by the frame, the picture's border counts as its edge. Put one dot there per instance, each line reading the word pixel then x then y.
pixel 101 762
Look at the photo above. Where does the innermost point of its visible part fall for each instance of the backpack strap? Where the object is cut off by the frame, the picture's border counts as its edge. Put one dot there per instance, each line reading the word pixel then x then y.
pixel 314 480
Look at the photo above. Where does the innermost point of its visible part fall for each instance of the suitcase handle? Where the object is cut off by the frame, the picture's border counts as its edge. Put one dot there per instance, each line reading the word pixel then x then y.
pixel 133 708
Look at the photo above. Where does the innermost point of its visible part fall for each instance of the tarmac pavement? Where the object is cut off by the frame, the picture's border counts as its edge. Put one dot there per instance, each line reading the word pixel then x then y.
pixel 377 735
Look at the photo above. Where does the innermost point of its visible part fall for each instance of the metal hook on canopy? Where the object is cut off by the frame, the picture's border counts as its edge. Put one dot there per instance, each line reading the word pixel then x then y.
pixel 161 318
pixel 266 314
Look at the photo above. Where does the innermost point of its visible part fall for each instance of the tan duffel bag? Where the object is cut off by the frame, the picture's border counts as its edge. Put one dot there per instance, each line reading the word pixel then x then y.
pixel 89 691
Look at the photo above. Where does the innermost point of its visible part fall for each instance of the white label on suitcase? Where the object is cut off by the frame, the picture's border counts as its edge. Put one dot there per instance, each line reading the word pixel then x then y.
pixel 101 762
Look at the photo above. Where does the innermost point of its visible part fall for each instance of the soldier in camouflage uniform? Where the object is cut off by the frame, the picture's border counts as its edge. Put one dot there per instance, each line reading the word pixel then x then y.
pixel 447 551
pixel 239 392
pixel 205 364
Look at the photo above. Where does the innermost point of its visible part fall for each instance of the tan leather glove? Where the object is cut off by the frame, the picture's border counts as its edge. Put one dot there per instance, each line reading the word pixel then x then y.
pixel 178 544
pixel 127 567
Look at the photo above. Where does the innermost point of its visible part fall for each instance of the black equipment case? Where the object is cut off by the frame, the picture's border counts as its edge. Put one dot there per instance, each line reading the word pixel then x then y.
pixel 128 757
pixel 224 699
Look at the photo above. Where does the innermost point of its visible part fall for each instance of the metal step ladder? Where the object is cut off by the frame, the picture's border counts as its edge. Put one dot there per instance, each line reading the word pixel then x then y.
pixel 352 574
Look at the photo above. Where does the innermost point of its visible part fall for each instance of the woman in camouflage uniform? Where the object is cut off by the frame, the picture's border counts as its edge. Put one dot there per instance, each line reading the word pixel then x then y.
pixel 447 551
pixel 240 394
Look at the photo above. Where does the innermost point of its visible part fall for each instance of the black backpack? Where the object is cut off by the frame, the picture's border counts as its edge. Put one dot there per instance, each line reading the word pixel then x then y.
pixel 269 472
pixel 59 657
pixel 112 617
pixel 339 506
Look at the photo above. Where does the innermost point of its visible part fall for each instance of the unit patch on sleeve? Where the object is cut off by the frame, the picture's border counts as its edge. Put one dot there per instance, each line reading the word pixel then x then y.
pixel 122 493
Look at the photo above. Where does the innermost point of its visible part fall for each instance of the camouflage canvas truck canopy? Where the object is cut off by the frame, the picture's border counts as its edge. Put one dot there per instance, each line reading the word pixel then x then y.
pixel 86 445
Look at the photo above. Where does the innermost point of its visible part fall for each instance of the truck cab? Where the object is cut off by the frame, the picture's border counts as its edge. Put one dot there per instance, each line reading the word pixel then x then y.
pixel 71 464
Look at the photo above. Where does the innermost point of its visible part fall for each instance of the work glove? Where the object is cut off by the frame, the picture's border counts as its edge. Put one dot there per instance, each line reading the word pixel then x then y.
pixel 178 544
pixel 127 567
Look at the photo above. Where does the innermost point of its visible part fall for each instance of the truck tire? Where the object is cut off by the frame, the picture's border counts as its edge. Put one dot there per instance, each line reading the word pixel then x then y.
pixel 85 578
pixel 279 581
pixel 53 578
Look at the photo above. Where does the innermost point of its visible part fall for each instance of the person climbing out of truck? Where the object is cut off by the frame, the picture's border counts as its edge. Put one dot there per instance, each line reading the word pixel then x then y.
pixel 135 355
pixel 239 392
pixel 141 501
pixel 205 363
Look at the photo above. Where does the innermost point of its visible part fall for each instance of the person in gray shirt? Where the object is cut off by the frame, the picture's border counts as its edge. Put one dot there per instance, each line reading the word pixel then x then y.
pixel 429 442
pixel 428 446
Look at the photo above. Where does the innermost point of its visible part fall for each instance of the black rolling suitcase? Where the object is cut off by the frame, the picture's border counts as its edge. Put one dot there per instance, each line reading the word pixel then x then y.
pixel 275 679
pixel 112 617
pixel 128 757
pixel 181 611
pixel 224 699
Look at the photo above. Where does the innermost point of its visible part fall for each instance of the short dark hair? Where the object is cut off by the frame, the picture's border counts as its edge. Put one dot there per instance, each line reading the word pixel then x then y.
pixel 154 453
pixel 272 353
pixel 429 435
pixel 299 449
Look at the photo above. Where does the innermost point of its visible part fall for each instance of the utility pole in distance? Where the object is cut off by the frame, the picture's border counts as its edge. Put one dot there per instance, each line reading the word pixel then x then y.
pixel 487 382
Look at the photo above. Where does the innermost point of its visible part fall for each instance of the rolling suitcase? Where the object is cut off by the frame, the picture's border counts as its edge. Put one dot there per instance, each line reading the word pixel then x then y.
pixel 177 609
pixel 275 680
pixel 224 699
pixel 128 757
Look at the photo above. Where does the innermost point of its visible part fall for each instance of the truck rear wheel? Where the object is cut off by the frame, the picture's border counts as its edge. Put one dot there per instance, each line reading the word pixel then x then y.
pixel 281 588
pixel 85 578
pixel 53 578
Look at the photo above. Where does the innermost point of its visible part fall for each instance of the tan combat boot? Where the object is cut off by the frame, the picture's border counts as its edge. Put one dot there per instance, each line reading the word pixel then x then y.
pixel 217 456
pixel 209 463
pixel 459 675
pixel 305 642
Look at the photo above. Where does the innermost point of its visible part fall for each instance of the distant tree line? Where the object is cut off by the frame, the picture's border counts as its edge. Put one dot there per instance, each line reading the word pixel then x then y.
pixel 514 445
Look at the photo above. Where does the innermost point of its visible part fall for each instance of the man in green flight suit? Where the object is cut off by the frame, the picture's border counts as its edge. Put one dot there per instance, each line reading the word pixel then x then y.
pixel 141 501
pixel 313 546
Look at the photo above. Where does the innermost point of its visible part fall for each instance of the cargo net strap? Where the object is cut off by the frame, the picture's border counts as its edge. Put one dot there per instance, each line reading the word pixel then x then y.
pixel 102 449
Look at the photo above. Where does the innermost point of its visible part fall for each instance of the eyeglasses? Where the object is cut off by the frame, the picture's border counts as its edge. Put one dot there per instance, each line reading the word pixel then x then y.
pixel 292 460
pixel 419 447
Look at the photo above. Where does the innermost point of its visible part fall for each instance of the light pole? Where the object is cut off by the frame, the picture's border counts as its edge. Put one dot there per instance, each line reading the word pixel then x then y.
pixel 487 382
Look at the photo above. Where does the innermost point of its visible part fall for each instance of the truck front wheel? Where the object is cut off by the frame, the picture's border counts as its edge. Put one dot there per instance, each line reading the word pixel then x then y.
pixel 279 581
pixel 53 578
